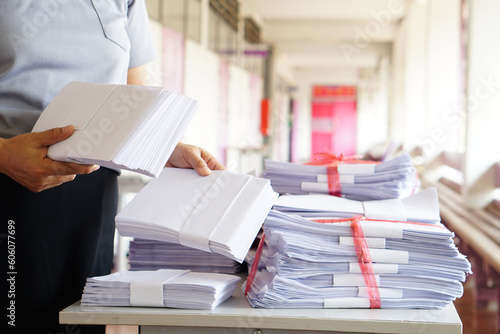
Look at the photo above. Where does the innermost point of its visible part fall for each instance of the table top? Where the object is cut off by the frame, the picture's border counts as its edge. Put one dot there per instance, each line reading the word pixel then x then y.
pixel 236 312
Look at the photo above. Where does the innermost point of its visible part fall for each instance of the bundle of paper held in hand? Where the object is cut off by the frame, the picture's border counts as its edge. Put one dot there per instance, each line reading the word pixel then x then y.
pixel 364 262
pixel 117 126
pixel 359 180
pixel 161 288
pixel 220 213
pixel 154 255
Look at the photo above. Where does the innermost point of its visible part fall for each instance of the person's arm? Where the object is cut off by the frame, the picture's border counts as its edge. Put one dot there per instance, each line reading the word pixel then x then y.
pixel 183 156
pixel 24 159
pixel 137 76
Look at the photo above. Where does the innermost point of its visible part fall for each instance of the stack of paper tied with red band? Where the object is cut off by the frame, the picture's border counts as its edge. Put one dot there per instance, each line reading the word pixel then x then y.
pixel 359 180
pixel 356 262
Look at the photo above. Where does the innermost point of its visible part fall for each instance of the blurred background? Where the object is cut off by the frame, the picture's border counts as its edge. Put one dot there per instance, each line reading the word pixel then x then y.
pixel 287 79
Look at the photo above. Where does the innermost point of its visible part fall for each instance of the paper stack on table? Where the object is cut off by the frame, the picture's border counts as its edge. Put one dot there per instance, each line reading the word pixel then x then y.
pixel 154 255
pixel 395 178
pixel 315 264
pixel 117 126
pixel 161 288
pixel 220 213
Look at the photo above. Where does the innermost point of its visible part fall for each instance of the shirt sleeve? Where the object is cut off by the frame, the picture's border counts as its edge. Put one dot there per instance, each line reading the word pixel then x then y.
pixel 142 48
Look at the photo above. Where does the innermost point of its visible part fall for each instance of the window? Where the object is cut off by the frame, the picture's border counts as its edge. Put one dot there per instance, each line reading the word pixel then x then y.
pixel 223 28
pixel 213 29
pixel 180 15
pixel 193 20
pixel 172 14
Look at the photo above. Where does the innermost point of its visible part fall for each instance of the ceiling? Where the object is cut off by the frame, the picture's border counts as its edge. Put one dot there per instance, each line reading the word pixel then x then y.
pixel 327 35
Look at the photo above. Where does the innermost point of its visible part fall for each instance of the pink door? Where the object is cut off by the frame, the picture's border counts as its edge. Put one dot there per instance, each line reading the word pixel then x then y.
pixel 334 120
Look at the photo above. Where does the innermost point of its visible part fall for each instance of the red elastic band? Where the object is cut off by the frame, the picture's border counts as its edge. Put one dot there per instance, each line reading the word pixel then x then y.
pixel 417 179
pixel 332 161
pixel 362 254
pixel 340 220
pixel 325 158
pixel 365 262
pixel 255 264
pixel 334 188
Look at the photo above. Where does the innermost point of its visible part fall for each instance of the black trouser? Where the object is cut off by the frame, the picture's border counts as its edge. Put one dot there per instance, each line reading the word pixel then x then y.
pixel 54 240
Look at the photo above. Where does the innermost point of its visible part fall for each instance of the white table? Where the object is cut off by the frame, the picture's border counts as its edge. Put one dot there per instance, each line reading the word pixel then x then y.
pixel 236 316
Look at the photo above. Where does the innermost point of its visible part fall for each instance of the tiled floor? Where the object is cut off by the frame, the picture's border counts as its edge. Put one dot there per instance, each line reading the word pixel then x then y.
pixel 476 320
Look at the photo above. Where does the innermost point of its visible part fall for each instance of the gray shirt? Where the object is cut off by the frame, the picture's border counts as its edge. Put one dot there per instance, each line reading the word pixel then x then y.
pixel 46 44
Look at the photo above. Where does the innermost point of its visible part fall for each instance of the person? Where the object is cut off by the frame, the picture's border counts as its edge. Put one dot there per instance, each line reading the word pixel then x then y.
pixel 57 217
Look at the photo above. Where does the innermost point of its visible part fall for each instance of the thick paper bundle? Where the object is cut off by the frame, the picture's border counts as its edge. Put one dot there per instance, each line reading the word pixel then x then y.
pixel 316 264
pixel 154 255
pixel 161 288
pixel 220 213
pixel 420 207
pixel 117 126
pixel 365 181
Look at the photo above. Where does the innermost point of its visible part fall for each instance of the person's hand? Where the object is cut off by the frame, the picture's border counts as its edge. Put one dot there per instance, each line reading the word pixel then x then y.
pixel 189 156
pixel 24 159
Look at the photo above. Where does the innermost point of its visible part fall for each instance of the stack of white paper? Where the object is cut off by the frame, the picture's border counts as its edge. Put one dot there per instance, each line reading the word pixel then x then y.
pixel 395 178
pixel 220 213
pixel 154 255
pixel 309 264
pixel 117 126
pixel 161 288
pixel 420 207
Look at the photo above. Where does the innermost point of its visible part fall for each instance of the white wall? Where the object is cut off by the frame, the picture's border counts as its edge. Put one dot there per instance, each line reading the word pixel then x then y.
pixel 243 103
pixel 415 70
pixel 303 121
pixel 154 68
pixel 483 101
pixel 436 114
pixel 201 83
pixel 283 69
pixel 280 127
pixel 442 77
pixel 397 87
pixel 239 107
pixel 425 87
pixel 372 107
